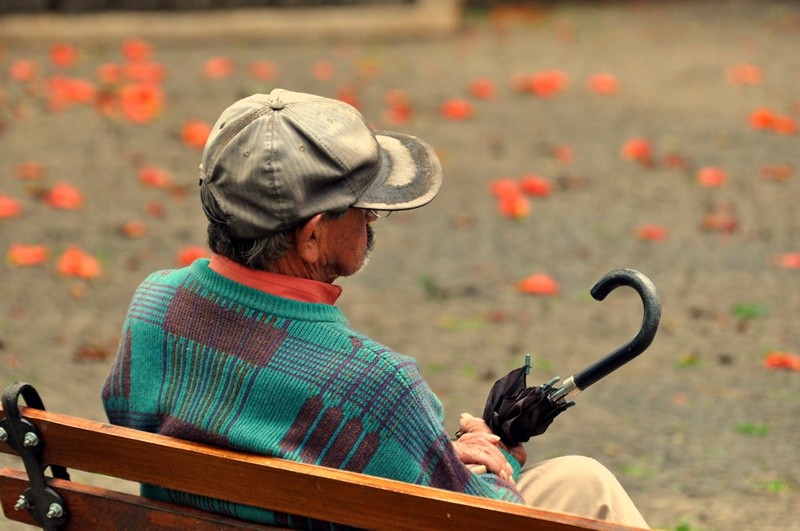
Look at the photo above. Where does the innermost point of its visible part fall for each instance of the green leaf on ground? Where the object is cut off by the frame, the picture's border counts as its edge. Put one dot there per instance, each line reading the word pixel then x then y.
pixel 684 525
pixel 432 288
pixel 750 310
pixel 778 486
pixel 688 361
pixel 752 429
pixel 638 469
pixel 469 371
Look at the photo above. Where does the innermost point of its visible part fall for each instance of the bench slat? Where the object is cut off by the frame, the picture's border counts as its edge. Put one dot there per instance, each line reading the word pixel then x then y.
pixel 103 509
pixel 287 486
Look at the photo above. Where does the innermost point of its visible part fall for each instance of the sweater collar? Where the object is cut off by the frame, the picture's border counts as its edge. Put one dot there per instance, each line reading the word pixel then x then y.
pixel 299 289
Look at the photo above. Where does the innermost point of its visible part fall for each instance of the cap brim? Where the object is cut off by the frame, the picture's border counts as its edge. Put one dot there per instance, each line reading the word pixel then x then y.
pixel 410 174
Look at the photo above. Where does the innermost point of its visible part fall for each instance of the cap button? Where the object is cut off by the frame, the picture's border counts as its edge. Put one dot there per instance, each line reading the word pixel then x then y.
pixel 276 105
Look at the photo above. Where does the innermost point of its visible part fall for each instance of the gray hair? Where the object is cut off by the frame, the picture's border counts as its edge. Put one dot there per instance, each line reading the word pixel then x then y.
pixel 260 253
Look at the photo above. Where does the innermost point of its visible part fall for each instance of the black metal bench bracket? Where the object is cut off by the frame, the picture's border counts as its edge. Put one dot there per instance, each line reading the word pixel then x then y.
pixel 42 502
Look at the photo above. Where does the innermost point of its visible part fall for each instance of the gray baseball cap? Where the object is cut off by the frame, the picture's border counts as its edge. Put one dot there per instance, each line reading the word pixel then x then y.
pixel 275 160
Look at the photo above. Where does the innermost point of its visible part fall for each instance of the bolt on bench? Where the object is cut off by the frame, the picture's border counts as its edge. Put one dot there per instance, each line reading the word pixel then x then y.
pixel 50 440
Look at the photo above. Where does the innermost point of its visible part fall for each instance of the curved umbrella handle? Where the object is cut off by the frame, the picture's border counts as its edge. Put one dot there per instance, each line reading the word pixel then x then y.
pixel 622 355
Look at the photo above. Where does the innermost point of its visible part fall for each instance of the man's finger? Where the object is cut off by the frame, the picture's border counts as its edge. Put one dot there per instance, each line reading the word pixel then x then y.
pixel 469 424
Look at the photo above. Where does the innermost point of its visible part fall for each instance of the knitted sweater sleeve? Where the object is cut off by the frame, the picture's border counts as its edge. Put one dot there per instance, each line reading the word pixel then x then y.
pixel 419 449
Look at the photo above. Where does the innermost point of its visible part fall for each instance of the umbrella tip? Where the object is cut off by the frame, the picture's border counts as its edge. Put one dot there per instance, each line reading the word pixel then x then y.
pixel 527 363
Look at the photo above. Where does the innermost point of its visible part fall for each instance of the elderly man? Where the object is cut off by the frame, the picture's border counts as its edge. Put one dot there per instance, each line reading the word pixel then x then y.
pixel 248 351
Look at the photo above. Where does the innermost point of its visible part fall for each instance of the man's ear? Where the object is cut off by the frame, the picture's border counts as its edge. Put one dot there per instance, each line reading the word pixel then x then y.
pixel 307 239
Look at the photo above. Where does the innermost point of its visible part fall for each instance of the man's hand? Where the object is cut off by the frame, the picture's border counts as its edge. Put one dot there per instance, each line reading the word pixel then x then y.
pixel 478 449
pixel 470 424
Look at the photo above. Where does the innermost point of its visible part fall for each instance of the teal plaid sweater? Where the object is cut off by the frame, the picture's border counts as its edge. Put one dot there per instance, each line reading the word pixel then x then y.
pixel 206 359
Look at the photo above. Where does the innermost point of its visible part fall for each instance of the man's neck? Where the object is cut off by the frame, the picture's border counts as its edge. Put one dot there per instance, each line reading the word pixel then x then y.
pixel 291 265
pixel 276 283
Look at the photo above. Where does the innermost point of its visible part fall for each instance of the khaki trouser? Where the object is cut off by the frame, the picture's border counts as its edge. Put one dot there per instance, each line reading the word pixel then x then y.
pixel 580 486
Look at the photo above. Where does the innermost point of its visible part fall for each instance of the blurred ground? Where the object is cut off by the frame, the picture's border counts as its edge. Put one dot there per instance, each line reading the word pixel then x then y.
pixel 698 429
pixel 370 19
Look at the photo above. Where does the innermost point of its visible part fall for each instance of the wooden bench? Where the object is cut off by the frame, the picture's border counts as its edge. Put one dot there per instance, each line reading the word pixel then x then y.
pixel 317 492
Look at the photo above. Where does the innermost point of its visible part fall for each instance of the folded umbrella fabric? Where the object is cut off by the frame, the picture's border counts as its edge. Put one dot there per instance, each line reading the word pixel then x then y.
pixel 516 412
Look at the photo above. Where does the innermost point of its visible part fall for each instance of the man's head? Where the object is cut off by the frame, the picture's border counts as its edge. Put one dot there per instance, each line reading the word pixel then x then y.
pixel 274 163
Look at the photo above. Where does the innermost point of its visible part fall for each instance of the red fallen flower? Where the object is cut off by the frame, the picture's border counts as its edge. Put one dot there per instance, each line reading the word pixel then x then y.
pixel 789 261
pixel 510 200
pixel 548 83
pixel 64 196
pixel 782 360
pixel 195 133
pixel 397 115
pixel 26 255
pixel 155 177
pixel 504 186
pixel 23 70
pixel 9 207
pixel 784 125
pixel 603 83
pixel 482 88
pixel 711 176
pixel 721 217
pixel 538 284
pixel 12 362
pixel 136 50
pixel 141 102
pixel 190 253
pixel 762 118
pixel 155 209
pixel 514 206
pixel 74 262
pixel 323 71
pixel 145 72
pixel 535 185
pixel 109 73
pixel 218 67
pixel 89 352
pixel 263 70
pixel 29 171
pixel 745 74
pixel 63 55
pixel 400 110
pixel 653 233
pixel 396 98
pixel 777 172
pixel 349 95
pixel 639 150
pixel 66 91
pixel 563 154
pixel 134 228
pixel 457 109
pixel 675 161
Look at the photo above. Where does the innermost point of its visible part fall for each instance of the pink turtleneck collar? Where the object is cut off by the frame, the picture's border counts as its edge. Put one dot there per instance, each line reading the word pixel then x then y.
pixel 299 289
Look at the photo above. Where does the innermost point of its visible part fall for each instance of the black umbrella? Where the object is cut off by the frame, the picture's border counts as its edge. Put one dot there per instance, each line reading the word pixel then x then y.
pixel 517 412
